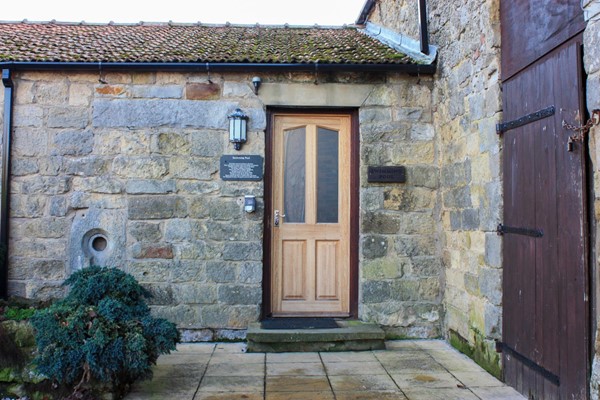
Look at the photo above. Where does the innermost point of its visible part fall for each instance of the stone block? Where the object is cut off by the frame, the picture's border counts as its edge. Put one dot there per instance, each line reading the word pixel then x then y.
pixel 29 142
pixel 385 268
pixel 48 227
pixel 51 93
pixel 251 272
pixel 458 197
pixel 111 90
pixel 196 335
pixel 38 248
pixel 225 209
pixel 23 166
pixel 72 143
pixel 184 315
pixel 156 207
pixel 416 152
pixel 237 89
pixel 471 284
pixel 80 94
pixel 406 290
pixel 422 132
pixel 188 271
pixel 150 186
pixel 371 199
pixel 492 321
pixel 152 250
pixel 156 91
pixel 193 167
pixel 408 199
pixel 490 285
pixel 195 250
pixel 194 293
pixel 199 207
pixel 374 246
pixel 27 206
pixel 173 143
pixel 493 250
pixel 455 220
pixel 242 251
pixel 150 167
pixel 376 222
pixel 208 143
pixel 68 117
pixel 179 229
pixel 195 187
pixel 416 245
pixel 456 174
pixel 48 185
pixel 374 114
pixel 58 206
pixel 392 131
pixel 239 295
pixel 97 184
pixel 376 291
pixel 147 271
pixel 161 294
pixel 470 219
pixel 220 272
pixel 423 176
pixel 28 116
pixel 145 231
pixel 85 166
pixel 20 268
pixel 174 113
pixel 426 267
pixel 202 91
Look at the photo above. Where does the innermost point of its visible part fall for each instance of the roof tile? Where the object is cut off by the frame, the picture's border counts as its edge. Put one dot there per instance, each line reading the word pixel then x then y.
pixel 173 43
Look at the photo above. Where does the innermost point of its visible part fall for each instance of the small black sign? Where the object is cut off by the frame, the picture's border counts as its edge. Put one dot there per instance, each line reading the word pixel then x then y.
pixel 387 174
pixel 241 168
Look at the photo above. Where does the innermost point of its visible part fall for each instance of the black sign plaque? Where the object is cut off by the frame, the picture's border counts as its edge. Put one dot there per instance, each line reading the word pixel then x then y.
pixel 395 174
pixel 241 168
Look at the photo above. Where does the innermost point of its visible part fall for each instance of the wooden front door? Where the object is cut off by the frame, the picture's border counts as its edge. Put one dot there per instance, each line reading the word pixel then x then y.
pixel 310 226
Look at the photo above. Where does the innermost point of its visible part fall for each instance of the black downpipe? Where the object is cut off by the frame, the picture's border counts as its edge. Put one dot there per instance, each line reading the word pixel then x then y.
pixel 4 194
pixel 424 31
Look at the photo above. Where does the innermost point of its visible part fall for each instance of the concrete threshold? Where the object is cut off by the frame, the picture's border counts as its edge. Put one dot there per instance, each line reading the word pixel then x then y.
pixel 350 336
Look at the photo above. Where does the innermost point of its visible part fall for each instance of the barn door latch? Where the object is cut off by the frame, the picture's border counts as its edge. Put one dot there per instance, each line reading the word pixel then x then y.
pixel 581 131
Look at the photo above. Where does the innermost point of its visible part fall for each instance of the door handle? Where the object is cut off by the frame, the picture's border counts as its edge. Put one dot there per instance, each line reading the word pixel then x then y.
pixel 278 215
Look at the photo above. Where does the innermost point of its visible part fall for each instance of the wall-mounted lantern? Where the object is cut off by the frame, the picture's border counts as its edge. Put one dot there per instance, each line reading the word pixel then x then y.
pixel 238 122
pixel 256 81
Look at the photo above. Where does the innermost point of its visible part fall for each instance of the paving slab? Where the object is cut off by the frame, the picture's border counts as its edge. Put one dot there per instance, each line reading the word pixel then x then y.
pixel 405 370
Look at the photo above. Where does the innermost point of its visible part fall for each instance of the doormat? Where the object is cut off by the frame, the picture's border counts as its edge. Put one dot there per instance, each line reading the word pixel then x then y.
pixel 299 323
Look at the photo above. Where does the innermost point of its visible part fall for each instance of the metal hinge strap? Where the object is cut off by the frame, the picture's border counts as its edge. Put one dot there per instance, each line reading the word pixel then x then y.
pixel 502 229
pixel 548 375
pixel 524 120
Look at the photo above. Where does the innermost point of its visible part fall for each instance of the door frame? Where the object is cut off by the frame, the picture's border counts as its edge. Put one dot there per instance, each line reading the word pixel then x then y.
pixel 354 199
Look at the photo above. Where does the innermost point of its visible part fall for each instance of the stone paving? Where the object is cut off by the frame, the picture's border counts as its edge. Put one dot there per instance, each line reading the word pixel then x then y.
pixel 413 370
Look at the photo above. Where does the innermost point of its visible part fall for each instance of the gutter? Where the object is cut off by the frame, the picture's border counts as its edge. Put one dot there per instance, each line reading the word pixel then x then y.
pixel 5 190
pixel 203 66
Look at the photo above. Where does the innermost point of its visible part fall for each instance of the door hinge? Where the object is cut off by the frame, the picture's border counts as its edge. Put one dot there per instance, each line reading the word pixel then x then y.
pixel 502 229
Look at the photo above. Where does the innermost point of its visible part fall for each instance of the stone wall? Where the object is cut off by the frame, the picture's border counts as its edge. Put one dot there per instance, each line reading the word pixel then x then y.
pixel 467 105
pixel 135 160
pixel 400 253
pixel 592 67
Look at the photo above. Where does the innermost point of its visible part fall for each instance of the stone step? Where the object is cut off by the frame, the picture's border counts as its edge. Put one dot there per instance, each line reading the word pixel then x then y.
pixel 350 336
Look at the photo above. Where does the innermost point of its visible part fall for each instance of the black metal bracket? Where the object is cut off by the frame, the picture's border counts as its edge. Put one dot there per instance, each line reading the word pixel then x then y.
pixel 524 120
pixel 502 229
pixel 548 375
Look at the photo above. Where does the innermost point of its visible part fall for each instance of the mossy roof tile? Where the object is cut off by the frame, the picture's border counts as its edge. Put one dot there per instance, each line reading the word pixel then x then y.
pixel 180 43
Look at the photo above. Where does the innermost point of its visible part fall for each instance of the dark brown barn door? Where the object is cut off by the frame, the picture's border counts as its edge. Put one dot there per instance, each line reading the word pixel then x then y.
pixel 546 318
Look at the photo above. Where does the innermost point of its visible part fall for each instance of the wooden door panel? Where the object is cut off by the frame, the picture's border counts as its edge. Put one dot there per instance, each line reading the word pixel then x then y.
pixel 294 268
pixel 545 322
pixel 310 256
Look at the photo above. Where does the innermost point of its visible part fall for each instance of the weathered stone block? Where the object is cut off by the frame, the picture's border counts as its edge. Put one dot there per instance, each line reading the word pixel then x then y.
pixel 48 185
pixel 23 166
pixel 376 291
pixel 194 187
pixel 152 250
pixel 156 207
pixel 224 209
pixel 29 142
pixel 111 90
pixel 152 167
pixel 86 166
pixel 68 117
pixel 145 231
pixel 374 246
pixel 73 143
pixel 490 285
pixel 236 294
pixel 173 143
pixel 49 227
pixel 220 272
pixel 422 132
pixel 208 143
pixel 149 271
pixel 374 114
pixel 416 245
pixel 193 167
pixel 404 199
pixel 58 206
pixel 493 250
pixel 202 91
pixel 27 206
pixel 188 271
pixel 385 268
pixel 179 229
pixel 251 272
pixel 26 269
pixel 160 294
pixel 374 222
pixel 52 93
pixel 98 185
pixel 470 219
pixel 193 293
pixel 242 251
pixel 150 186
pixel 28 116
pixel 156 91
pixel 456 174
pixel 237 89
pixel 80 94
pixel 459 197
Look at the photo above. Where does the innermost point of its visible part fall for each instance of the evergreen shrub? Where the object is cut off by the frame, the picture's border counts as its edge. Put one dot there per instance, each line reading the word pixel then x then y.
pixel 101 332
